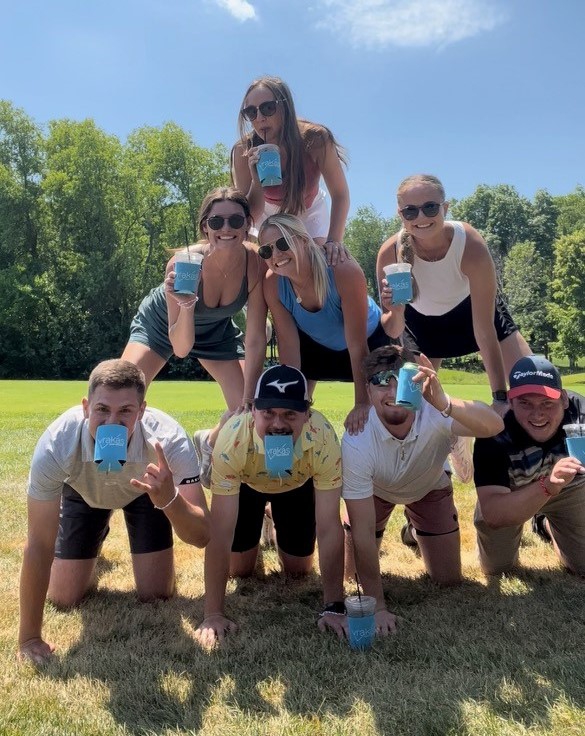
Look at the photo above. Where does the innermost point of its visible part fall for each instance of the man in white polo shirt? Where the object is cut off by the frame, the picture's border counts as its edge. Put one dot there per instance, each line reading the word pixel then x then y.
pixel 399 458
pixel 70 499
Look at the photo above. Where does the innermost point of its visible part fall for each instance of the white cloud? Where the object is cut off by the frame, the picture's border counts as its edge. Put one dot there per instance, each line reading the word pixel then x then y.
pixel 381 23
pixel 241 9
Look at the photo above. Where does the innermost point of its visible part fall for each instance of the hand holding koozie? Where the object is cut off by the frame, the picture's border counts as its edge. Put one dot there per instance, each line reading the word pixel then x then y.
pixel 268 165
pixel 111 441
pixel 278 450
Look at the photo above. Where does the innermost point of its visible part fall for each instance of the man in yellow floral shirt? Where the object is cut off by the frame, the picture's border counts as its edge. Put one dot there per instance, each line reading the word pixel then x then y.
pixel 284 453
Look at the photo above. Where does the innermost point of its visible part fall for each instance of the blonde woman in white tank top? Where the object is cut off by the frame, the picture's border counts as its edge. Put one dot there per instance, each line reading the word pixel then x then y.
pixel 456 309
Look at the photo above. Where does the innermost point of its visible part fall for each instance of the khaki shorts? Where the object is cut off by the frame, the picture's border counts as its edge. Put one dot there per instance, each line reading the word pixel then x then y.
pixel 433 515
pixel 498 548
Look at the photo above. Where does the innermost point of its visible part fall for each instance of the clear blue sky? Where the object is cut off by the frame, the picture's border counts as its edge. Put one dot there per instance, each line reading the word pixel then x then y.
pixel 475 91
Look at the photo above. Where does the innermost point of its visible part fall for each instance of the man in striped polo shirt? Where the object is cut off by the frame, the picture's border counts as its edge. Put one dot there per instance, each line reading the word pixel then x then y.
pixel 526 472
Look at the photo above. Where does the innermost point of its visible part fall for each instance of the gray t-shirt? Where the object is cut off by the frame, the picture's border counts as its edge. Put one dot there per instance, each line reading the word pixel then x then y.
pixel 64 454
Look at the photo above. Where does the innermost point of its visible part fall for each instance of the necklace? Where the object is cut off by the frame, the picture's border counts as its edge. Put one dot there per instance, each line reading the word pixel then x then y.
pixel 219 268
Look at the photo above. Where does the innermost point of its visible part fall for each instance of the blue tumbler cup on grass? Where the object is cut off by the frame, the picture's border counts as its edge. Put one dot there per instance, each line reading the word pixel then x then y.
pixel 361 621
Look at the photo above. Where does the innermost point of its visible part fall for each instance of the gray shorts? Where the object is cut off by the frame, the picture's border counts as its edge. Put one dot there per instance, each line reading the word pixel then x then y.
pixel 499 548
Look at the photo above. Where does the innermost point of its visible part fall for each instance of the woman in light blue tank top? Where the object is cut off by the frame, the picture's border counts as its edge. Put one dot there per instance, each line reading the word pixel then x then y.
pixel 325 321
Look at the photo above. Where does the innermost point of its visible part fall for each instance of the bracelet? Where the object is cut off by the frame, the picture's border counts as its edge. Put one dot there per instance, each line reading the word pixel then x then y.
pixel 187 305
pixel 174 498
pixel 545 490
pixel 449 408
pixel 337 608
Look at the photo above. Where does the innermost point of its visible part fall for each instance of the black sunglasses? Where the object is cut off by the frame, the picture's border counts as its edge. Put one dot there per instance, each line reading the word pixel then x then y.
pixel 266 108
pixel 382 378
pixel 265 251
pixel 429 209
pixel 234 221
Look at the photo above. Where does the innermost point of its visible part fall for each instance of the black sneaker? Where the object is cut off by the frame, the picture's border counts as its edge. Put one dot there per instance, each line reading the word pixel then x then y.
pixel 407 537
pixel 539 527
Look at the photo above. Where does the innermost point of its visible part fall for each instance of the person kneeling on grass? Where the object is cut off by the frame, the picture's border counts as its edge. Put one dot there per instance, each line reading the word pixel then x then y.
pixel 285 453
pixel 70 500
pixel 399 459
pixel 526 472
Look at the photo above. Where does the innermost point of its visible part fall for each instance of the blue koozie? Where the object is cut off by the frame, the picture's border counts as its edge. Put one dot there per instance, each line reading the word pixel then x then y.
pixel 111 441
pixel 408 393
pixel 399 279
pixel 576 448
pixel 268 166
pixel 187 272
pixel 278 450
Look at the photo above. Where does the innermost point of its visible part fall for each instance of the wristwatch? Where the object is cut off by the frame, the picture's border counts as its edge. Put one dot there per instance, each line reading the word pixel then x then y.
pixel 501 396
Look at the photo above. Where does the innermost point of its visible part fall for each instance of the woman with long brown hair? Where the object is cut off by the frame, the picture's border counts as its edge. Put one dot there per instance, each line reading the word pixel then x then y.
pixel 308 151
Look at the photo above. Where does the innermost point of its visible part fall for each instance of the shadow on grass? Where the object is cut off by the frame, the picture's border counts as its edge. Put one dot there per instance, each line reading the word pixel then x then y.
pixel 513 648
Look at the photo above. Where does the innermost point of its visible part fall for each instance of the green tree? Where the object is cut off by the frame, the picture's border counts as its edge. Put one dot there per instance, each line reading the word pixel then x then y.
pixel 567 310
pixel 497 211
pixel 526 283
pixel 571 209
pixel 364 234
pixel 543 225
pixel 21 169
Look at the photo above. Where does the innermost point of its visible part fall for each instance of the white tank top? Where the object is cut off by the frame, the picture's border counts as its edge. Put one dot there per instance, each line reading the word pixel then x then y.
pixel 441 284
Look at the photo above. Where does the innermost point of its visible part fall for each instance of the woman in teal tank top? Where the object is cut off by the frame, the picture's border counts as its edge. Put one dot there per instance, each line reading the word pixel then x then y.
pixel 202 326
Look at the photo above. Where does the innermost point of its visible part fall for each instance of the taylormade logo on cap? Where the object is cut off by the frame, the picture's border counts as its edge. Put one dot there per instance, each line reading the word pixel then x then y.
pixel 523 374
pixel 534 374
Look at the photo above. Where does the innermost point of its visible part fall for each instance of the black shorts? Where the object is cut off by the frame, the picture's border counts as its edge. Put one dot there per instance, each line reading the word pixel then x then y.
pixel 319 363
pixel 293 513
pixel 82 529
pixel 450 335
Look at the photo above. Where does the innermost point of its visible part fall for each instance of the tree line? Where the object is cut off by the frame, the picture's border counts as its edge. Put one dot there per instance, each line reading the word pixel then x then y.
pixel 87 223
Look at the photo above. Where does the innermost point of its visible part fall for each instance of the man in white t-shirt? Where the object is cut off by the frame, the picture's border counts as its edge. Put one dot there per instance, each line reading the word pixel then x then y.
pixel 70 500
pixel 399 458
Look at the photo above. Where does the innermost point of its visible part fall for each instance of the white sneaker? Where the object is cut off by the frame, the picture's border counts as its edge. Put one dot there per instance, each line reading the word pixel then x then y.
pixel 462 458
pixel 268 536
pixel 203 450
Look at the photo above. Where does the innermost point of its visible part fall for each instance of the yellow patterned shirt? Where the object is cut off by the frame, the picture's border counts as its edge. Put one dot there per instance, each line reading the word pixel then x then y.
pixel 238 457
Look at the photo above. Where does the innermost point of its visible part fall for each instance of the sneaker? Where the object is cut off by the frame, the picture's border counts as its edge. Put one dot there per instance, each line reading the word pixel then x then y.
pixel 268 537
pixel 462 458
pixel 539 527
pixel 407 537
pixel 203 450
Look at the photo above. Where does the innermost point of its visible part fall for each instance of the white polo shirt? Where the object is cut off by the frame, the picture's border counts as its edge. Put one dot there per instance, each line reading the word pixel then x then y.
pixel 399 471
pixel 64 454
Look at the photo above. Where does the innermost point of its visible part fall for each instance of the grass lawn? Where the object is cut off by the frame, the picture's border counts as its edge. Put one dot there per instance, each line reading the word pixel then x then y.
pixel 489 658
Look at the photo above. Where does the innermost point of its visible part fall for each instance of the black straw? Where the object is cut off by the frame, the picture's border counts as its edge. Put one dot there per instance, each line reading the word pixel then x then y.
pixel 357 582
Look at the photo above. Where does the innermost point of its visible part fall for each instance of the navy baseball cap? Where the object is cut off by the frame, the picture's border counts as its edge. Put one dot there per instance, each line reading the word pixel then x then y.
pixel 282 387
pixel 534 374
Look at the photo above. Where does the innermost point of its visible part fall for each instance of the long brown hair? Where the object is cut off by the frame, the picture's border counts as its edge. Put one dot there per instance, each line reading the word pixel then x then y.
pixel 295 139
